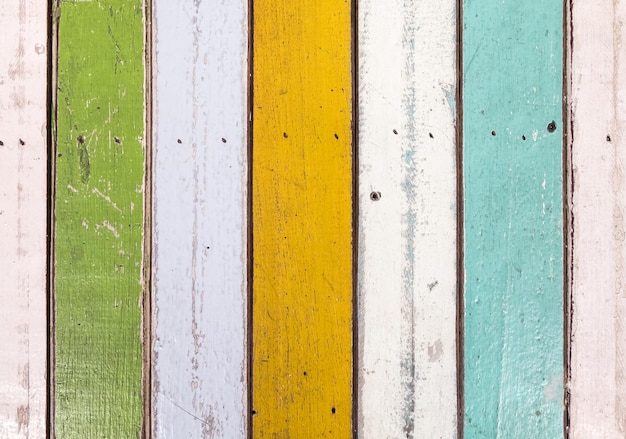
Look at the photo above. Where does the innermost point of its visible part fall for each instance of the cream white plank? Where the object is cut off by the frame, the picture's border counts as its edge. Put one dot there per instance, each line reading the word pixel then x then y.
pixel 598 343
pixel 199 202
pixel 23 169
pixel 407 220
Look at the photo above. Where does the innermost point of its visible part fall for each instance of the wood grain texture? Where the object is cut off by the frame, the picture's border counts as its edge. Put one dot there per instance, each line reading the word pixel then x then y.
pixel 598 343
pixel 200 226
pixel 512 87
pixel 302 219
pixel 23 220
pixel 407 219
pixel 99 220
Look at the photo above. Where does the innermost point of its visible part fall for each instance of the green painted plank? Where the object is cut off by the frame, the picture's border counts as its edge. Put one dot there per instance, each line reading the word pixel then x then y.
pixel 99 220
pixel 512 88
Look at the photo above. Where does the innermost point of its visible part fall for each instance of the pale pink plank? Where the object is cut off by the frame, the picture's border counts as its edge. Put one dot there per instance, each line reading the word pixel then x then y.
pixel 598 343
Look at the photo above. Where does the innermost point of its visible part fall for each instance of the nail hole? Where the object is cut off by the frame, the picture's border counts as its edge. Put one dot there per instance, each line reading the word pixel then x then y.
pixel 59 155
pixel 431 135
pixel 253 412
pixel 117 140
pixel 493 133
pixel 552 127
pixel 22 142
pixel 223 140
pixel 304 373
pixel 375 196
pixel 395 132
pixel 179 141
pixel 1 143
pixel 336 136
pixel 80 139
pixel 285 135
pixel 523 137
pixel 333 410
pixel 608 138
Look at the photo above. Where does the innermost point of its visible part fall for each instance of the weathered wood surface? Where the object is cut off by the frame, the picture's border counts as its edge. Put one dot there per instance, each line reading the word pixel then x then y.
pixel 99 221
pixel 200 226
pixel 598 111
pixel 23 165
pixel 407 219
pixel 302 219
pixel 512 122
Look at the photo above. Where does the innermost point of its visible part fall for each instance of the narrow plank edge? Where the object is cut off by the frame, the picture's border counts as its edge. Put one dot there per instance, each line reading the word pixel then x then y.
pixel 23 218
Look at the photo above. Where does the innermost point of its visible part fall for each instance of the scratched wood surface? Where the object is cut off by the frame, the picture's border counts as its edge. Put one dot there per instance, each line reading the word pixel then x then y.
pixel 199 252
pixel 407 219
pixel 99 221
pixel 512 122
pixel 598 111
pixel 302 220
pixel 23 164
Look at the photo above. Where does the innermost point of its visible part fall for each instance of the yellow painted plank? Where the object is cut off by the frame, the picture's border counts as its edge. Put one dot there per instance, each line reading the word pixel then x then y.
pixel 302 219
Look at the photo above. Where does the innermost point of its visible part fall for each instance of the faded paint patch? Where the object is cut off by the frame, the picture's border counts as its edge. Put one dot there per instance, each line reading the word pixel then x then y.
pixel 435 351
pixel 553 390
pixel 23 419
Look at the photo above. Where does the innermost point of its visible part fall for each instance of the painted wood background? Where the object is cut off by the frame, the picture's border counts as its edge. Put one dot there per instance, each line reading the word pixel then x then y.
pixel 23 218
pixel 312 219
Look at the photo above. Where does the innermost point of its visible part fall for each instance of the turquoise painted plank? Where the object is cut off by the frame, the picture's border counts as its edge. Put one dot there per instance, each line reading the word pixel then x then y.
pixel 512 133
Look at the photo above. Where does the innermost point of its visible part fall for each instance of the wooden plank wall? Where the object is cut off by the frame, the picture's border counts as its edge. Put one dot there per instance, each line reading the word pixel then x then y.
pixel 98 220
pixel 407 220
pixel 199 377
pixel 23 218
pixel 513 219
pixel 302 219
pixel 598 114
pixel 352 222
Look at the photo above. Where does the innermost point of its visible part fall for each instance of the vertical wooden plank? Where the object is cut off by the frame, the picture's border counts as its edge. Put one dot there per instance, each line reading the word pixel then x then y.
pixel 598 343
pixel 99 219
pixel 23 255
pixel 407 219
pixel 302 219
pixel 512 87
pixel 200 226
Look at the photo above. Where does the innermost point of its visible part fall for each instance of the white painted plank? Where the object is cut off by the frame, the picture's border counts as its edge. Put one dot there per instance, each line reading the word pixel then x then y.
pixel 407 223
pixel 23 170
pixel 199 217
pixel 598 343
